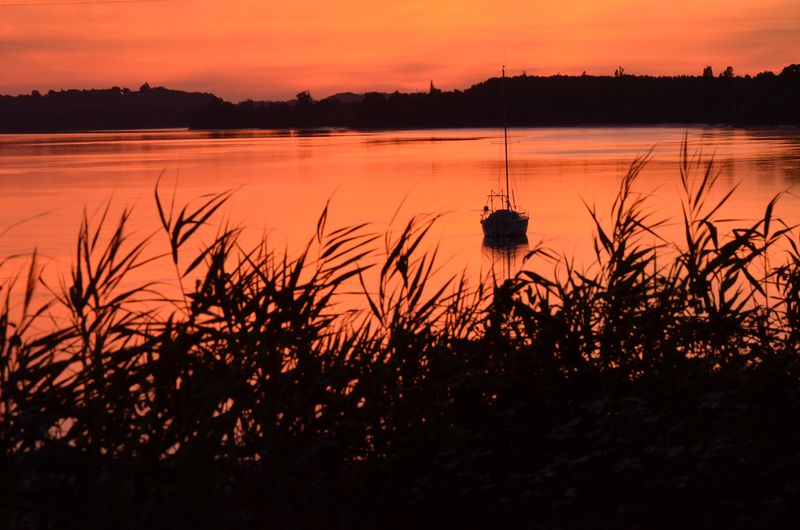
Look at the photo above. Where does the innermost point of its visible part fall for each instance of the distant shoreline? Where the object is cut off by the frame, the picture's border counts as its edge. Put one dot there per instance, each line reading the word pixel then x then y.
pixel 318 130
pixel 766 100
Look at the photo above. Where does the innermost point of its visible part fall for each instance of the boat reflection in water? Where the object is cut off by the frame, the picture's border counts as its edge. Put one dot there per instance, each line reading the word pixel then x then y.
pixel 507 255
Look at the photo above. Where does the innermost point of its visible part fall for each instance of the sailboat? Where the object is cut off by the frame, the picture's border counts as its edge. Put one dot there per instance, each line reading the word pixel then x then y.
pixel 505 221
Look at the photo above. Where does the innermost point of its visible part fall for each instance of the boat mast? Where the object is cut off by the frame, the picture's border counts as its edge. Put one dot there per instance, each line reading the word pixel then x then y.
pixel 505 136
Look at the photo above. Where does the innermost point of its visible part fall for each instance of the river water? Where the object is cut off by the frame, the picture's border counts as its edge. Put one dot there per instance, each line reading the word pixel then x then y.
pixel 282 181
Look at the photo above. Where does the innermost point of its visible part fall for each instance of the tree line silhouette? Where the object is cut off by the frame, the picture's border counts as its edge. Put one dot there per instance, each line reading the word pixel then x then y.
pixel 112 108
pixel 763 99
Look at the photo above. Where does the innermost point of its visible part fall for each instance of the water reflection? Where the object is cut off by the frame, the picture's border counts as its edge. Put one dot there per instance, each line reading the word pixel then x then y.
pixel 286 178
pixel 506 254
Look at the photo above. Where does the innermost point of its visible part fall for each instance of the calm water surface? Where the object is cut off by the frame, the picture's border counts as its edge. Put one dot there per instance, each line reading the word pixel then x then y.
pixel 283 181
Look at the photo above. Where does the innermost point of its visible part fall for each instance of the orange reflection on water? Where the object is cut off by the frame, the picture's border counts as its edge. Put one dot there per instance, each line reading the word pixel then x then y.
pixel 284 179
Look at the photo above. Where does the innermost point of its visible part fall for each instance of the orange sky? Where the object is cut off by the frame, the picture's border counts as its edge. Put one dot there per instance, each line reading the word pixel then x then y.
pixel 273 49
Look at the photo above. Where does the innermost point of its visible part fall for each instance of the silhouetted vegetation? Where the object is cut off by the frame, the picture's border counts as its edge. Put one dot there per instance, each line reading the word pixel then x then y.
pixel 658 387
pixel 113 108
pixel 764 99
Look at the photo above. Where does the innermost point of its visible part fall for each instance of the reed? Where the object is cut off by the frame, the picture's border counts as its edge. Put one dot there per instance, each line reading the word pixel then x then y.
pixel 660 380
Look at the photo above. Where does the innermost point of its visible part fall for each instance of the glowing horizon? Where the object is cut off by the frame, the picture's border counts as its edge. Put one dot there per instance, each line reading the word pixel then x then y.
pixel 249 49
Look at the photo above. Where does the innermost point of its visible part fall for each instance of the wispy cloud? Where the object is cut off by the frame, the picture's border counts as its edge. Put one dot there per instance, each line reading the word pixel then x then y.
pixel 250 48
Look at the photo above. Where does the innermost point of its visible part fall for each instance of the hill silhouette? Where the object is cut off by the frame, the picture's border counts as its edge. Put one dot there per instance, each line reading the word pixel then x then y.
pixel 767 99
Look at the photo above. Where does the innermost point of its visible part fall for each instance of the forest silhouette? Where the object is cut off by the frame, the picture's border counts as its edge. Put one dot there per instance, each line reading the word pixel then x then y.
pixel 98 109
pixel 766 99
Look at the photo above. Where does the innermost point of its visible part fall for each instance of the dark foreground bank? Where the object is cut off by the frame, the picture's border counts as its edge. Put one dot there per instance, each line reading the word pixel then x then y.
pixel 657 388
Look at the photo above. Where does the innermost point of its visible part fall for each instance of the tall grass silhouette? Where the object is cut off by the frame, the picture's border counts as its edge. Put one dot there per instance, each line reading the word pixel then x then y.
pixel 658 383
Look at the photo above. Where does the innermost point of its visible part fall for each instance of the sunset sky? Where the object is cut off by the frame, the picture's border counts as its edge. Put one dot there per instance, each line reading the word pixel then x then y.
pixel 271 50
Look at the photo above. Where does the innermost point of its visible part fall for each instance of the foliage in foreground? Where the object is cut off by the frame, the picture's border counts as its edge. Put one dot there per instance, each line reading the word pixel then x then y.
pixel 657 387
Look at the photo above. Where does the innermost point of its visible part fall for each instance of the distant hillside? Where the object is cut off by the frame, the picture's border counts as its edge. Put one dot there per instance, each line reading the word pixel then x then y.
pixel 112 108
pixel 345 97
